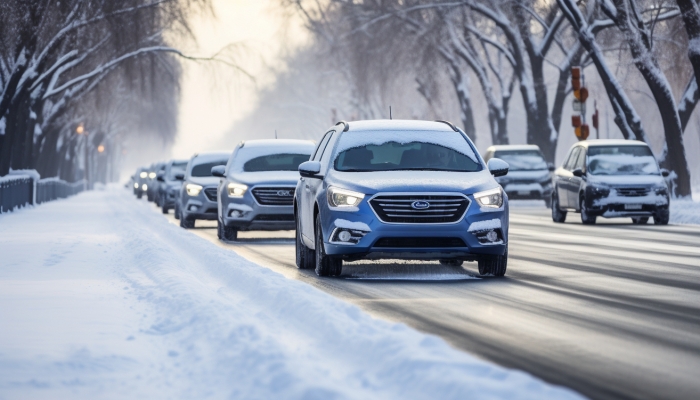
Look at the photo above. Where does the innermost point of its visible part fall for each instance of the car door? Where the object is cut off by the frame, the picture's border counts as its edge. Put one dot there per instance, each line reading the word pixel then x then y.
pixel 575 181
pixel 563 176
pixel 308 185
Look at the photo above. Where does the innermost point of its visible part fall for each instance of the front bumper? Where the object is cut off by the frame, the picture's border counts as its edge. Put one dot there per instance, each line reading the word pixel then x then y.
pixel 200 207
pixel 416 240
pixel 528 191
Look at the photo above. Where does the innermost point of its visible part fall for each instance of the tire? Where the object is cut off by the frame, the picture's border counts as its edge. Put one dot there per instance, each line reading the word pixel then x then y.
pixel 177 211
pixel 139 195
pixel 557 214
pixel 493 265
pixel 305 257
pixel 219 230
pixel 640 220
pixel 586 217
pixel 229 233
pixel 164 209
pixel 661 218
pixel 452 263
pixel 186 223
pixel 548 202
pixel 325 264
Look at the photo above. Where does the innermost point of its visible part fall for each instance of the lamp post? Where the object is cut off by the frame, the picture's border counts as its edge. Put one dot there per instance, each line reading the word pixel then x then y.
pixel 80 130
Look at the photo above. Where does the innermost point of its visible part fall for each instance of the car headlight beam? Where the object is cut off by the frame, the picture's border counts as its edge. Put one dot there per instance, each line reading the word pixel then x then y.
pixel 236 189
pixel 192 189
pixel 341 198
pixel 492 198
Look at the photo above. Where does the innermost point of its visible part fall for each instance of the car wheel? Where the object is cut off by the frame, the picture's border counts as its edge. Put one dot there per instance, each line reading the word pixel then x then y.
pixel 305 257
pixel 186 223
pixel 494 265
pixel 548 202
pixel 661 218
pixel 557 214
pixel 229 233
pixel 325 265
pixel 586 217
pixel 640 220
pixel 219 230
pixel 177 211
pixel 139 195
pixel 164 209
pixel 452 263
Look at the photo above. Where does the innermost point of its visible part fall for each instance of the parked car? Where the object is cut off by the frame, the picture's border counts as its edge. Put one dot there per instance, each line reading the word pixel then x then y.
pixel 529 176
pixel 611 178
pixel 168 184
pixel 140 179
pixel 197 198
pixel 400 189
pixel 257 189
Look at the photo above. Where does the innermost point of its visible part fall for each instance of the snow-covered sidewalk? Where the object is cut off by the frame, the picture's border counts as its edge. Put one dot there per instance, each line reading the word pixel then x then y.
pixel 100 297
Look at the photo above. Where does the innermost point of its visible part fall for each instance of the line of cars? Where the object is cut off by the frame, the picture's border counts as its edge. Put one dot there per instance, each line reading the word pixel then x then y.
pixel 392 189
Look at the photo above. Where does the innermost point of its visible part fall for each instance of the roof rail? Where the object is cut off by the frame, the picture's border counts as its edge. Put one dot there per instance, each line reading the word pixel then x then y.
pixel 450 124
pixel 242 143
pixel 347 126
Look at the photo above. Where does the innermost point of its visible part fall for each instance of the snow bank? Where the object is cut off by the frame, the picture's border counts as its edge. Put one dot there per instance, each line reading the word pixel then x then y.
pixel 100 297
pixel 685 212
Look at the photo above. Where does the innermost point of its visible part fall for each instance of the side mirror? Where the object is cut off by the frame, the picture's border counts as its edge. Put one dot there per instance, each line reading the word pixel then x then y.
pixel 578 172
pixel 310 169
pixel 550 167
pixel 665 173
pixel 180 176
pixel 497 167
pixel 219 171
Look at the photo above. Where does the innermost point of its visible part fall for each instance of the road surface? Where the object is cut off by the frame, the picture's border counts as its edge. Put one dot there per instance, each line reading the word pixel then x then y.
pixel 611 310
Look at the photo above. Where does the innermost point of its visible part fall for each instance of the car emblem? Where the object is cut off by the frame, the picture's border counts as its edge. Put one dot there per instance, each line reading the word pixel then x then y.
pixel 283 193
pixel 420 205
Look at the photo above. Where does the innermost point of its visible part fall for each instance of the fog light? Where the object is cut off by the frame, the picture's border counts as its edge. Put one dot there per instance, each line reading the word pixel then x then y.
pixel 193 208
pixel 492 236
pixel 236 214
pixel 344 236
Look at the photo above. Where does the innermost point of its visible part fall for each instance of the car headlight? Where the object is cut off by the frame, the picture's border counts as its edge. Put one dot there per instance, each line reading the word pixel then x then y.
pixel 144 187
pixel 136 185
pixel 600 189
pixel 152 175
pixel 492 198
pixel 236 189
pixel 661 190
pixel 143 175
pixel 343 198
pixel 192 189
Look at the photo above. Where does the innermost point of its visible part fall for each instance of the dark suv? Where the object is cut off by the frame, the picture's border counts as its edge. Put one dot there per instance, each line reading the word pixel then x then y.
pixel 611 178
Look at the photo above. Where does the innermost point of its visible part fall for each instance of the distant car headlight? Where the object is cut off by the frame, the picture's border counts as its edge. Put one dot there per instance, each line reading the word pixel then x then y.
pixel 152 175
pixel 338 197
pixel 143 175
pixel 144 187
pixel 136 185
pixel 661 190
pixel 492 198
pixel 236 189
pixel 192 189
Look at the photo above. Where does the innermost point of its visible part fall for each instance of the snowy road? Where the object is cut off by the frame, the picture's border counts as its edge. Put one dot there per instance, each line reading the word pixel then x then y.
pixel 612 310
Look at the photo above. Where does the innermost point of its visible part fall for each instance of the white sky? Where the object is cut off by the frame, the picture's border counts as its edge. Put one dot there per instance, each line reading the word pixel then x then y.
pixel 213 96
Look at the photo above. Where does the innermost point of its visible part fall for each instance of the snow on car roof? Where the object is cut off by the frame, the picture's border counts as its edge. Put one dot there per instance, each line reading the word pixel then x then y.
pixel 612 142
pixel 398 125
pixel 277 142
pixel 211 156
pixel 502 147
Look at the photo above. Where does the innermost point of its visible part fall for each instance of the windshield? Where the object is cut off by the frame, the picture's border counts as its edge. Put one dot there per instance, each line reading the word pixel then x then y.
pixel 176 168
pixel 401 150
pixel 621 160
pixel 523 160
pixel 204 169
pixel 275 162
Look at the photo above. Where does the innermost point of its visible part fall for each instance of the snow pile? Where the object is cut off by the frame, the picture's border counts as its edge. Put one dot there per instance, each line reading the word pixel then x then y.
pixel 685 212
pixel 100 297
pixel 484 225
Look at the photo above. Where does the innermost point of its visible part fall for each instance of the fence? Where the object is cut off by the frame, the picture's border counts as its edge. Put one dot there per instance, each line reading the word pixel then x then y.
pixel 17 190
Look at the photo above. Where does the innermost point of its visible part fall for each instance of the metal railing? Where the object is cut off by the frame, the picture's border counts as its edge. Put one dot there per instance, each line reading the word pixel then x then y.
pixel 21 190
pixel 15 191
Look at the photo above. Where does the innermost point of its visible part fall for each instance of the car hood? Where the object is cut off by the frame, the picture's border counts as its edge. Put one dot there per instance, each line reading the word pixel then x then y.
pixel 289 178
pixel 409 181
pixel 627 180
pixel 204 180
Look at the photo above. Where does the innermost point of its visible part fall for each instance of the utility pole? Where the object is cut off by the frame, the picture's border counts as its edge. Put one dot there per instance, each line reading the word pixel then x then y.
pixel 80 130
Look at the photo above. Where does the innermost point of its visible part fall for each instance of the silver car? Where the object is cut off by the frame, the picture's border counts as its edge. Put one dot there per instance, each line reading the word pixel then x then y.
pixel 257 186
pixel 198 193
pixel 529 175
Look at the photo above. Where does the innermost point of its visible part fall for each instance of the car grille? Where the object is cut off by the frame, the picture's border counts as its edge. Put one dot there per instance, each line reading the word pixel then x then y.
pixel 399 208
pixel 274 196
pixel 210 193
pixel 275 217
pixel 417 242
pixel 632 191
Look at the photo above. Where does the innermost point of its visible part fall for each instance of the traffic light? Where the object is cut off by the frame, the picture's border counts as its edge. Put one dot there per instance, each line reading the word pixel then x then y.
pixel 582 132
pixel 575 121
pixel 576 78
pixel 578 118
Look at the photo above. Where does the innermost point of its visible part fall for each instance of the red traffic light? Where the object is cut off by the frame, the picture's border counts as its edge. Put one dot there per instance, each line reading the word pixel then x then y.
pixel 575 121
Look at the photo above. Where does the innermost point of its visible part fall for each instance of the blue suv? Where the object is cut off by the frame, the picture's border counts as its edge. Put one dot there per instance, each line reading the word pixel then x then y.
pixel 391 189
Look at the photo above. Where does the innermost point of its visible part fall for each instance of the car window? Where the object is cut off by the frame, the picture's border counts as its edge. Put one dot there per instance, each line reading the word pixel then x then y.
pixel 622 160
pixel 405 150
pixel 571 161
pixel 175 168
pixel 321 146
pixel 581 160
pixel 275 162
pixel 204 169
pixel 523 160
